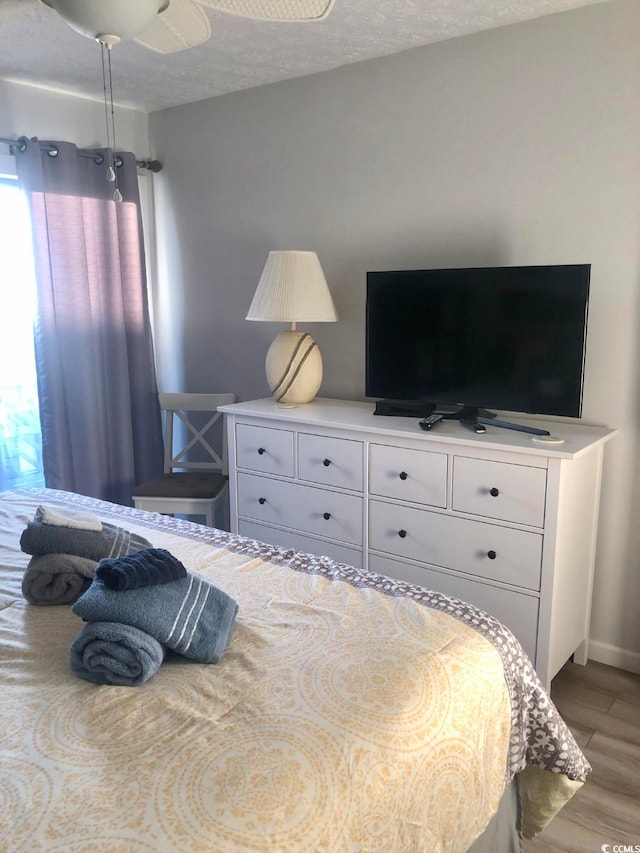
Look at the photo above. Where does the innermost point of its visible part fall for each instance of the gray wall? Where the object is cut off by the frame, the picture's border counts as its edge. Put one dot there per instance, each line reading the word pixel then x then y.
pixel 35 111
pixel 514 146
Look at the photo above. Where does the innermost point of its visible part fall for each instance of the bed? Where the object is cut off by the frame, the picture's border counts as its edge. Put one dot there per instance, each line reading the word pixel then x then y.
pixel 347 712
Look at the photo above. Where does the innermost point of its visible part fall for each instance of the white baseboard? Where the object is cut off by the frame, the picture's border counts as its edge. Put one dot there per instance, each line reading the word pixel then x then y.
pixel 614 656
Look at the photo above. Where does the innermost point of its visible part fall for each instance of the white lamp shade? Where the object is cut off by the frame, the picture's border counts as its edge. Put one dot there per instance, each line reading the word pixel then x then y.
pixel 292 288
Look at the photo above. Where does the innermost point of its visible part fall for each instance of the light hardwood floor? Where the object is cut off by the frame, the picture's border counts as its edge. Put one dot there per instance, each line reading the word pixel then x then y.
pixel 601 705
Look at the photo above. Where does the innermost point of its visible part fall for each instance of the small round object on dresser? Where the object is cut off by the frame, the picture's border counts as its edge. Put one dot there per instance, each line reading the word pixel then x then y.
pixel 326 462
pixel 491 555
pixel 403 475
pixel 326 516
pixel 494 492
pixel 547 439
pixel 402 533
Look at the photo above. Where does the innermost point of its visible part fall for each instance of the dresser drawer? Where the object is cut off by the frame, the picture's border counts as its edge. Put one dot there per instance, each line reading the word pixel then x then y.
pixel 516 610
pixel 499 490
pixel 411 475
pixel 301 542
pixel 331 461
pixel 487 550
pixel 305 508
pixel 264 449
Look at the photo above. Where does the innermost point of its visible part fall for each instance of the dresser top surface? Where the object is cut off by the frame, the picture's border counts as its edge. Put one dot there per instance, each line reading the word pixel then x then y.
pixel 324 413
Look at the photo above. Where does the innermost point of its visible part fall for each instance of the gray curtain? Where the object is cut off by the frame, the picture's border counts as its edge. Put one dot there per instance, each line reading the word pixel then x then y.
pixel 101 431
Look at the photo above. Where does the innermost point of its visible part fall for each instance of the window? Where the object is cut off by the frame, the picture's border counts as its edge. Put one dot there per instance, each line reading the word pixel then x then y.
pixel 20 437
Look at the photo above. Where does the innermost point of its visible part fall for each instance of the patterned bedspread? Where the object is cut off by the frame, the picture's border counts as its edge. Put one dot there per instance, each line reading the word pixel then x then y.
pixel 348 713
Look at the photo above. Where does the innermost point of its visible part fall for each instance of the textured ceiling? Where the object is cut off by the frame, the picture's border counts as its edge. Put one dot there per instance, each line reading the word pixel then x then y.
pixel 36 46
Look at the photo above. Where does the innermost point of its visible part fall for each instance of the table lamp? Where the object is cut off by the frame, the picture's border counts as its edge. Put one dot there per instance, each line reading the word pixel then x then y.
pixel 292 289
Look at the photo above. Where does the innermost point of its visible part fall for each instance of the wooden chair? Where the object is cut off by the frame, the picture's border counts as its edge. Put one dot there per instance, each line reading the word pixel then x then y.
pixel 188 486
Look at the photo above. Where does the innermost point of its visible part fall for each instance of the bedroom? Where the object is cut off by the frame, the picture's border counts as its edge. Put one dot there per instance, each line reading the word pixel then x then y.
pixel 518 145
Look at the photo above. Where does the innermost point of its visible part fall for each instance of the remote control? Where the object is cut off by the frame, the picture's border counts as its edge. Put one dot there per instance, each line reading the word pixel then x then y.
pixel 430 421
pixel 474 425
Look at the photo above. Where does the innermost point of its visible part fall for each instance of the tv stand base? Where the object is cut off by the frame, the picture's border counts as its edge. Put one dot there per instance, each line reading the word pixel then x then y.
pixel 510 425
pixel 469 415
pixel 472 415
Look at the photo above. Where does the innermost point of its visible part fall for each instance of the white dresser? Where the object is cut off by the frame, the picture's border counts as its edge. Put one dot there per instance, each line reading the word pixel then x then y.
pixel 496 519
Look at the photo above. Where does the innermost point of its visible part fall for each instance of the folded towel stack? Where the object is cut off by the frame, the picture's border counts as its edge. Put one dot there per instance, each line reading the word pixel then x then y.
pixel 152 592
pixel 189 615
pixel 65 548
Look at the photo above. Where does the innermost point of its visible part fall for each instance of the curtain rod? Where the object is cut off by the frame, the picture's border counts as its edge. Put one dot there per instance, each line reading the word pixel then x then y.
pixel 152 165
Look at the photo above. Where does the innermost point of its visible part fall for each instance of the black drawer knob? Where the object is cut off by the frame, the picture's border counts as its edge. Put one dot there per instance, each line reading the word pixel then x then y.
pixel 326 516
pixel 326 462
pixel 262 500
pixel 403 475
pixel 261 450
pixel 491 555
pixel 494 492
pixel 402 533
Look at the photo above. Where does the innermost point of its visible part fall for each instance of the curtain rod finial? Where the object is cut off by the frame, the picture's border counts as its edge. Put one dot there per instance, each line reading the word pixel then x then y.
pixel 151 165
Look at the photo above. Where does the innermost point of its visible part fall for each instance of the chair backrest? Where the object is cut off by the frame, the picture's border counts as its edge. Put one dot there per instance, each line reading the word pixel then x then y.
pixel 178 444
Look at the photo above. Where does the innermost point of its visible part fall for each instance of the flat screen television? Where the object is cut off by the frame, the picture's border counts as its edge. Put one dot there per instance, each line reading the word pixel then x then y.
pixel 478 340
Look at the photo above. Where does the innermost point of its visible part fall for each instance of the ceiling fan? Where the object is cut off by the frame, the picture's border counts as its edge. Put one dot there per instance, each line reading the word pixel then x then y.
pixel 168 26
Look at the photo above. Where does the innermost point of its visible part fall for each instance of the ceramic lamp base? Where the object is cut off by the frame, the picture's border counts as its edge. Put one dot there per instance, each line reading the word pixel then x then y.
pixel 294 368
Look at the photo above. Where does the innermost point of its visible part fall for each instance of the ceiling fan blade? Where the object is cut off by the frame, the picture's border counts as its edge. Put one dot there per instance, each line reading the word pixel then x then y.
pixel 183 25
pixel 281 11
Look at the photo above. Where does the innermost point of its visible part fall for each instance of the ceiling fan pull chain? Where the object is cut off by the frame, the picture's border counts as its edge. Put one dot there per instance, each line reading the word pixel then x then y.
pixel 112 174
pixel 103 47
pixel 117 195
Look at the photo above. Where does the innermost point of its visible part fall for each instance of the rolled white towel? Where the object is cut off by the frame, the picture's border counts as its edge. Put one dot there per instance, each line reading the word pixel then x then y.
pixel 67 518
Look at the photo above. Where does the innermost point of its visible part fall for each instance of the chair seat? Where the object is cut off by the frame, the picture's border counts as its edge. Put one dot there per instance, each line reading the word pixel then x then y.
pixel 187 484
pixel 195 480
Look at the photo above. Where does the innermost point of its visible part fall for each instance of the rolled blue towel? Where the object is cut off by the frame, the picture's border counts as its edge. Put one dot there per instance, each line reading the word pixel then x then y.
pixel 148 567
pixel 190 616
pixel 111 653
pixel 110 541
